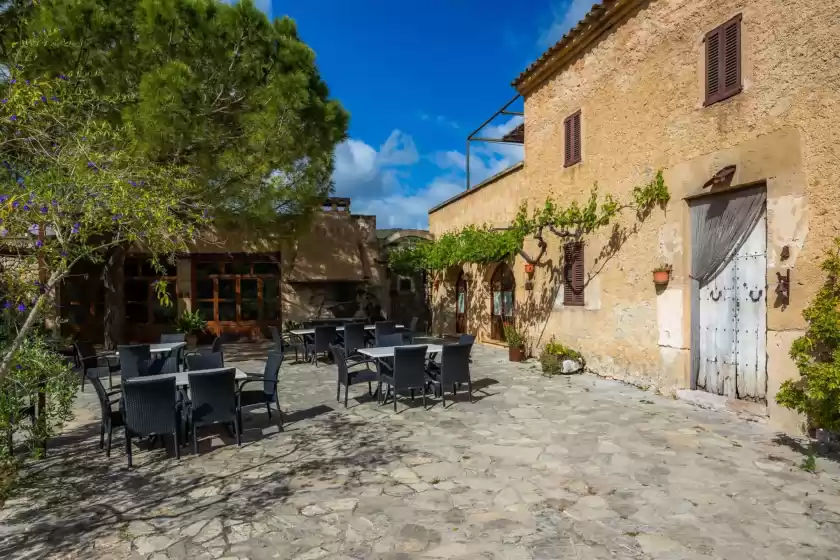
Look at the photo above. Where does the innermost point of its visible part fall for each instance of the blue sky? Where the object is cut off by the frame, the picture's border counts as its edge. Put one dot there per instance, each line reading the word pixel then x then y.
pixel 417 76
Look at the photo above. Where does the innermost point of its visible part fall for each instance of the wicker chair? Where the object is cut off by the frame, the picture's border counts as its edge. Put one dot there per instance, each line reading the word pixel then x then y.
pixel 110 418
pixel 454 370
pixel 346 375
pixel 158 366
pixel 173 337
pixel 265 396
pixel 411 331
pixel 88 358
pixel 151 407
pixel 213 400
pixel 130 358
pixel 196 362
pixel 286 341
pixel 409 373
pixel 324 337
pixel 354 338
pixel 382 328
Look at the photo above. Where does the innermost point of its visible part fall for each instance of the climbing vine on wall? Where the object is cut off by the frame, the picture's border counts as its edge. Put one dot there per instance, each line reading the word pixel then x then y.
pixel 485 244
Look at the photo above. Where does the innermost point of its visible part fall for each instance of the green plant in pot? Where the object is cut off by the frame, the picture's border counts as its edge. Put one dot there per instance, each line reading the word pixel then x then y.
pixel 516 342
pixel 191 324
pixel 557 358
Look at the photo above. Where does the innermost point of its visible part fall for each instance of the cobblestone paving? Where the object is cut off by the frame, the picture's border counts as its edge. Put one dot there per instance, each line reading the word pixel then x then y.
pixel 572 467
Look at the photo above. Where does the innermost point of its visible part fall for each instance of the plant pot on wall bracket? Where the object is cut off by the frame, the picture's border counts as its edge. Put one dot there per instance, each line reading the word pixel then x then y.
pixel 516 353
pixel 661 277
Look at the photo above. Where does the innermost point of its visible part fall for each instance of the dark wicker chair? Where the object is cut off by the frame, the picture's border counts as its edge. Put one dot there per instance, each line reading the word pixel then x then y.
pixel 347 376
pixel 454 370
pixel 267 394
pixel 130 357
pixel 110 418
pixel 151 407
pixel 205 361
pixel 158 366
pixel 466 339
pixel 393 339
pixel 87 358
pixel 173 337
pixel 410 332
pixel 354 338
pixel 409 373
pixel 286 341
pixel 382 328
pixel 215 346
pixel 324 337
pixel 213 400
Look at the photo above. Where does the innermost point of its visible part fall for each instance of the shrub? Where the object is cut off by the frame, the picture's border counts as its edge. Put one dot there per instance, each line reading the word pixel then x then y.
pixel 554 354
pixel 817 355
pixel 514 337
pixel 190 323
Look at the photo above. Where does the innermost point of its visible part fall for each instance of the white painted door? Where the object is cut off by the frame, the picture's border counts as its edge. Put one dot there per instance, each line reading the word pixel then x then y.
pixel 733 323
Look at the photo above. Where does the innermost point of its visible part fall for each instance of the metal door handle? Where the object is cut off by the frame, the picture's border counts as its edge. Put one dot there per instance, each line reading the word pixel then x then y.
pixel 712 294
pixel 756 298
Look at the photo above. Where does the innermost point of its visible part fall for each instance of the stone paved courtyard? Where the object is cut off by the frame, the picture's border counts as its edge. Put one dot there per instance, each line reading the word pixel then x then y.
pixel 572 467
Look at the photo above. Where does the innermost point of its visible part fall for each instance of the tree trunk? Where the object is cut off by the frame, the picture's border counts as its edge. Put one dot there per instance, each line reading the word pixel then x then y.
pixel 113 275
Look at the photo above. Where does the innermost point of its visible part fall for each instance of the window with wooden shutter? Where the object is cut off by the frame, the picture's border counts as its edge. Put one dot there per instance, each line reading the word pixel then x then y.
pixel 723 61
pixel 573 273
pixel 572 150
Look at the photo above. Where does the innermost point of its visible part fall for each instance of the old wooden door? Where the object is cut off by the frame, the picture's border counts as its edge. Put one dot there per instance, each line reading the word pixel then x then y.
pixel 733 323
pixel 461 304
pixel 502 287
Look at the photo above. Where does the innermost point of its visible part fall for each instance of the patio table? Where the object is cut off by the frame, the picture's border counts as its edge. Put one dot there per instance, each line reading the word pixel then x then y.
pixel 388 351
pixel 309 332
pixel 162 347
pixel 182 377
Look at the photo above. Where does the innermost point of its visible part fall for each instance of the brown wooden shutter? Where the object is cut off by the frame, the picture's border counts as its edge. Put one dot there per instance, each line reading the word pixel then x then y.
pixel 571 127
pixel 723 61
pixel 573 273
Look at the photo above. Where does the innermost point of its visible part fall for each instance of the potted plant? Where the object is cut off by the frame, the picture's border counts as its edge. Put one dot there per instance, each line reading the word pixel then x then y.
pixel 557 358
pixel 516 342
pixel 662 274
pixel 191 324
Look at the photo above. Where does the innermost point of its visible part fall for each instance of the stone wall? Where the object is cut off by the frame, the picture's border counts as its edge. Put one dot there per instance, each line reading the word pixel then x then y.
pixel 640 91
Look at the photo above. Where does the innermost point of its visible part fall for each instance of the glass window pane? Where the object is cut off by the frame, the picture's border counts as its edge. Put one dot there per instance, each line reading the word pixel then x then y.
pixel 507 300
pixel 227 288
pixel 250 310
pixel 239 266
pixel 136 290
pixel 248 288
pixel 497 303
pixel 164 315
pixel 227 311
pixel 137 312
pixel 77 315
pixel 205 308
pixel 461 302
pixel 205 269
pixel 204 289
pixel 266 268
pixel 73 290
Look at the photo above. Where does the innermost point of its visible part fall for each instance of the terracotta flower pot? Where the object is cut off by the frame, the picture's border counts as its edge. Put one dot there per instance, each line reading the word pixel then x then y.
pixel 661 277
pixel 192 340
pixel 516 353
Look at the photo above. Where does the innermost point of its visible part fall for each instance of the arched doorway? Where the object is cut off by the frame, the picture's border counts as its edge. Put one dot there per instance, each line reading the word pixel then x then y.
pixel 502 287
pixel 461 304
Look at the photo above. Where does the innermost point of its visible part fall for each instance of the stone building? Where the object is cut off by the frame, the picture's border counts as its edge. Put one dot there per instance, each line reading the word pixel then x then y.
pixel 242 282
pixel 738 103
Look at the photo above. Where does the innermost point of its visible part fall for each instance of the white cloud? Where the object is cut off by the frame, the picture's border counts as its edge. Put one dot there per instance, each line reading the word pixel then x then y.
pixel 363 171
pixel 409 210
pixel 565 16
pixel 486 159
pixel 440 120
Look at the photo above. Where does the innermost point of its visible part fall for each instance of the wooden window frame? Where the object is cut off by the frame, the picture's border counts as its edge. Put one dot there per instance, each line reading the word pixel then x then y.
pixel 717 39
pixel 573 261
pixel 572 150
pixel 135 272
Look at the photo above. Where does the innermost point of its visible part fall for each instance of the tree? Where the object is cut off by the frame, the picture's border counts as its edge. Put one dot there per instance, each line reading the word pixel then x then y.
pixel 214 88
pixel 72 186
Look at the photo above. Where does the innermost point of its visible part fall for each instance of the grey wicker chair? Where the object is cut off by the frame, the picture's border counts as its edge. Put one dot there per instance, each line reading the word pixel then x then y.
pixel 287 341
pixel 130 357
pixel 173 337
pixel 324 337
pixel 151 407
pixel 466 339
pixel 347 376
pixel 411 331
pixel 205 361
pixel 88 358
pixel 354 338
pixel 158 366
pixel 267 394
pixel 454 370
pixel 409 373
pixel 213 400
pixel 382 328
pixel 393 339
pixel 110 418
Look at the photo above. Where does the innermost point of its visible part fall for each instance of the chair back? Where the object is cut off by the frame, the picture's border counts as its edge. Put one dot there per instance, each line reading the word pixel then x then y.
pixel 324 336
pixel 309 324
pixel 466 339
pixel 130 357
pixel 150 405
pixel 455 363
pixel 354 337
pixel 412 326
pixel 216 345
pixel 93 375
pixel 382 328
pixel 173 337
pixel 158 366
pixel 86 354
pixel 394 339
pixel 213 396
pixel 410 367
pixel 271 373
pixel 340 359
pixel 276 337
pixel 212 360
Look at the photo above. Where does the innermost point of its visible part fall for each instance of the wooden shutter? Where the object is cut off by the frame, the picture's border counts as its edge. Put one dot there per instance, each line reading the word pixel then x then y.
pixel 723 61
pixel 571 127
pixel 573 273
